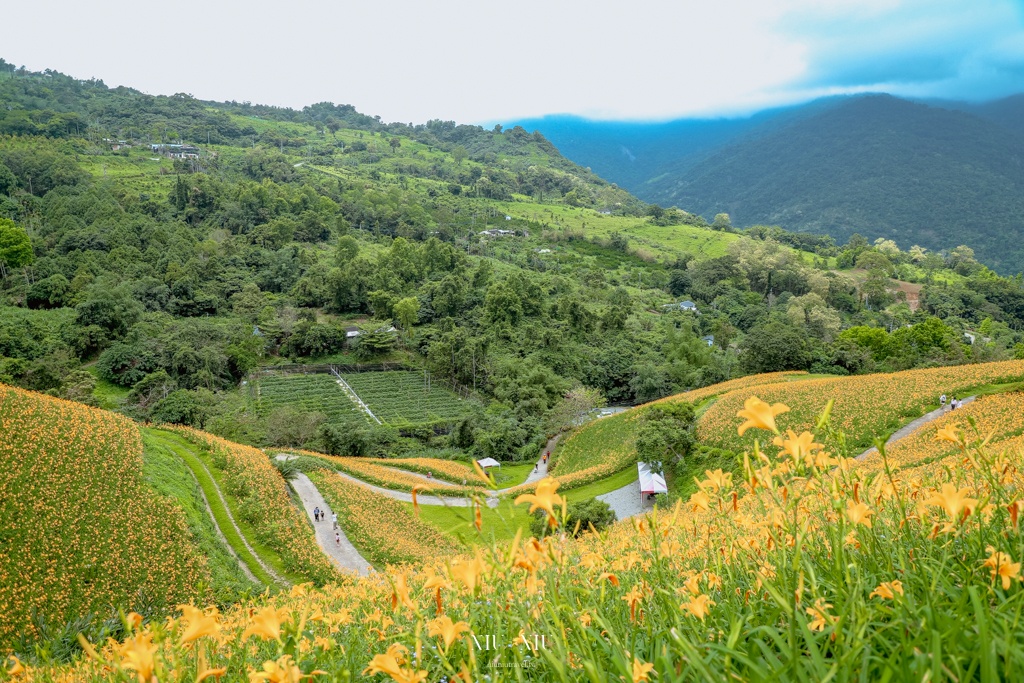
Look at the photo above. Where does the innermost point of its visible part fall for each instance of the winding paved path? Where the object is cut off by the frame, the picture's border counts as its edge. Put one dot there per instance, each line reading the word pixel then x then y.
pixel 344 553
pixel 911 427
pixel 626 501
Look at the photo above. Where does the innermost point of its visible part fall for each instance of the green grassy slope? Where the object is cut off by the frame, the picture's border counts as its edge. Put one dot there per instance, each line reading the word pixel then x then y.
pixel 166 472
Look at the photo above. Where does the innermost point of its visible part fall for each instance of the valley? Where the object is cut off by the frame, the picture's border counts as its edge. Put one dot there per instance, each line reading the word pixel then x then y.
pixel 217 317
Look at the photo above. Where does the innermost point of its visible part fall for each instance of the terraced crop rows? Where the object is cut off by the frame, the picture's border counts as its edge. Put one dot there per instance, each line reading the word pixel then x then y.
pixel 399 397
pixel 308 393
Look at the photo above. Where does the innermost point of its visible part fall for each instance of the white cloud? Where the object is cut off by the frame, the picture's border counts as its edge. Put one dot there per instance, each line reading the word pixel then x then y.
pixel 475 61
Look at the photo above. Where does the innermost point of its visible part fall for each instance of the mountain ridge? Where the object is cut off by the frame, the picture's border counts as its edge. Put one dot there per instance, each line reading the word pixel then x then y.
pixel 928 173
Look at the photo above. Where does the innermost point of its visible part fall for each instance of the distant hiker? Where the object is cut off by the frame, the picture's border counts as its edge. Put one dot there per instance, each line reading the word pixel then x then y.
pixel 430 475
pixel 535 468
pixel 337 538
pixel 953 404
pixel 316 513
pixel 334 519
pixel 942 401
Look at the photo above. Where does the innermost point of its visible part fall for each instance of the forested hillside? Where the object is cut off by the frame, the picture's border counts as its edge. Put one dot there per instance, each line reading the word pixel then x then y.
pixel 918 173
pixel 163 255
pixel 876 165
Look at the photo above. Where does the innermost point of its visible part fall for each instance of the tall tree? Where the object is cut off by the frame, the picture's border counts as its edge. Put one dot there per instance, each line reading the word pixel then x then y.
pixel 15 247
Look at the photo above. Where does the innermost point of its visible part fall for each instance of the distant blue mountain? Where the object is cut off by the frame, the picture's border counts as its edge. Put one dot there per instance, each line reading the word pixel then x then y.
pixel 934 173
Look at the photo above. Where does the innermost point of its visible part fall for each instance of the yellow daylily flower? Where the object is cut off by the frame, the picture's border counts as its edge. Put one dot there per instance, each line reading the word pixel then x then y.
pixel 760 415
pixel 447 629
pixel 641 671
pixel 543 498
pixel 1002 566
pixel 887 590
pixel 858 513
pixel 267 624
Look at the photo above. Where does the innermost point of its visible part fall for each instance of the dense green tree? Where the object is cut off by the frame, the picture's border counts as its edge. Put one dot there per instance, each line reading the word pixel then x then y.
pixel 15 247
pixel 666 431
pixel 773 347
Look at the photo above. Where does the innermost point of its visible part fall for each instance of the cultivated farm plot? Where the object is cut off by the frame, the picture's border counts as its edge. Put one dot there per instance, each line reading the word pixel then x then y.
pixel 308 393
pixel 400 397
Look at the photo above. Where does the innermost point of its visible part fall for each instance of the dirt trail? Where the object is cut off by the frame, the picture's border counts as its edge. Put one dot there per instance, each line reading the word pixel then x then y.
pixel 909 428
pixel 227 511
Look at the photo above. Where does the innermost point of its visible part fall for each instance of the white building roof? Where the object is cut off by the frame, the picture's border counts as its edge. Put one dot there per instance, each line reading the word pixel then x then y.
pixel 649 481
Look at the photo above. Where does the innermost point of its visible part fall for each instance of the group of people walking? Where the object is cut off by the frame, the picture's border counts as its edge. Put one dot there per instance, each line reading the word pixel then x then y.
pixel 543 461
pixel 953 404
pixel 321 516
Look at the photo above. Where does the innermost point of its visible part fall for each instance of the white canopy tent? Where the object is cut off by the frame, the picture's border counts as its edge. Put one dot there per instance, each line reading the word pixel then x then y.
pixel 650 483
pixel 488 462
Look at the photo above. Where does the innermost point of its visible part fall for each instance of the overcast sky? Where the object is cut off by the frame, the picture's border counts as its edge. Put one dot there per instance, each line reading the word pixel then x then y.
pixel 485 61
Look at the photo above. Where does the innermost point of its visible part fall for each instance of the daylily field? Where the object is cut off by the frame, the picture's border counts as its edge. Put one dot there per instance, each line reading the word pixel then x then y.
pixel 803 564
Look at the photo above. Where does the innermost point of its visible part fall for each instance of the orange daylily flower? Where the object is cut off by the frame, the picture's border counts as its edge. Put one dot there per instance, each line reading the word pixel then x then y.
pixel 137 654
pixel 858 513
pixel 283 670
pixel 760 415
pixel 200 624
pixel 715 481
pixel 699 606
pixel 799 448
pixel 820 616
pixel 641 671
pixel 17 668
pixel 267 623
pixel 447 629
pixel 954 501
pixel 888 590
pixel 1002 566
pixel 699 501
pixel 633 598
pixel 949 433
pixel 400 594
pixel 391 662
pixel 468 571
pixel 211 673
pixel 544 498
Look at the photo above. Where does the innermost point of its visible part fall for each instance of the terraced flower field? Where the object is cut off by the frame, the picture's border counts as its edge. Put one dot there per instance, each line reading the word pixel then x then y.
pixel 865 405
pixel 374 471
pixel 381 528
pixel 80 533
pixel 451 471
pixel 605 446
pixel 264 503
pixel 399 397
pixel 308 393
pixel 998 418
pixel 847 576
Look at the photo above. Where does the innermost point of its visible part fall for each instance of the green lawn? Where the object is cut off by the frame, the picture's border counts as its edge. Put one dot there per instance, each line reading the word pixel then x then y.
pixel 499 524
pixel 109 395
pixel 508 476
pixel 606 485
